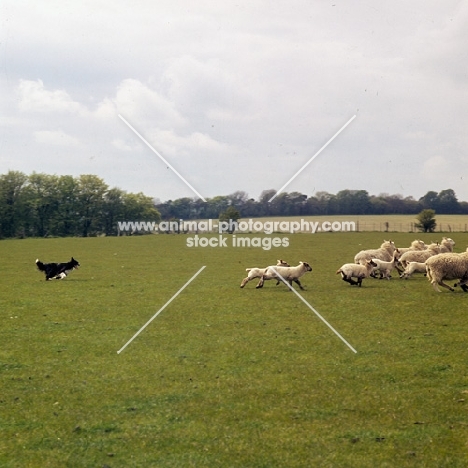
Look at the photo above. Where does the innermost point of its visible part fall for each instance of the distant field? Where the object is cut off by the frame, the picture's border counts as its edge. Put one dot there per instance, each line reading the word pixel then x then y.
pixel 396 223
pixel 226 377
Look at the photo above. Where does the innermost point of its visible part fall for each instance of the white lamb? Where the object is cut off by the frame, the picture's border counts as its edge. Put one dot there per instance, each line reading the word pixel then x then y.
pixel 385 268
pixel 385 253
pixel 259 272
pixel 448 266
pixel 419 255
pixel 417 244
pixel 413 267
pixel 359 271
pixel 288 274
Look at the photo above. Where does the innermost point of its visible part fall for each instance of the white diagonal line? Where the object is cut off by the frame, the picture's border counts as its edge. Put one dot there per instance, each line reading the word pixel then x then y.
pixel 315 312
pixel 161 309
pixel 312 158
pixel 160 157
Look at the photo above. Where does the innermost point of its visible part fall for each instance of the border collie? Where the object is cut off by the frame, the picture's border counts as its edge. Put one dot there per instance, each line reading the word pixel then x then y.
pixel 57 270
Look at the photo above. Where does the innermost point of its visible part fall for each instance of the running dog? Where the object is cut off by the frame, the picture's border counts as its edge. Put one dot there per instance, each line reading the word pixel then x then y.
pixel 57 270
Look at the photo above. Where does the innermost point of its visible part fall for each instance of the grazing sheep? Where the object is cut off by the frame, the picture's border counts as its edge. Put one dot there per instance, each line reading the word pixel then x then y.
pixel 352 270
pixel 419 255
pixel 259 272
pixel 446 245
pixel 448 266
pixel 288 274
pixel 385 268
pixel 413 267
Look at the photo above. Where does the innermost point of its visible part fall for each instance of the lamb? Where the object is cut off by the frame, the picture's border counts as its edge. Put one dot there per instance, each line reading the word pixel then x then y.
pixel 446 245
pixel 259 272
pixel 385 253
pixel 417 244
pixel 352 270
pixel 385 268
pixel 419 255
pixel 413 267
pixel 288 274
pixel 448 266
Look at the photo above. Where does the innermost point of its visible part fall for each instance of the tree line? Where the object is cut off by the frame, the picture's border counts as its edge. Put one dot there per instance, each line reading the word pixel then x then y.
pixel 345 202
pixel 41 205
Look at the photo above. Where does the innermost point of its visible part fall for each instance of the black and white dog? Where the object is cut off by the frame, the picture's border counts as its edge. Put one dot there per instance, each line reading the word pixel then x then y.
pixel 57 270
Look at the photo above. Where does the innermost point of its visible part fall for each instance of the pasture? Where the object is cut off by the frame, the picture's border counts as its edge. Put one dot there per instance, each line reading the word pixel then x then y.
pixel 226 377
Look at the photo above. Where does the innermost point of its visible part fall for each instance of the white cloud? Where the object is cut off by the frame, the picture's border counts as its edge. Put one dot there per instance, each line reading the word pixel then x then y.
pixel 34 97
pixel 55 138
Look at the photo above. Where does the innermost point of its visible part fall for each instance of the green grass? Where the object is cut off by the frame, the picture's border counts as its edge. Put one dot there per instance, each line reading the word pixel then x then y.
pixel 226 376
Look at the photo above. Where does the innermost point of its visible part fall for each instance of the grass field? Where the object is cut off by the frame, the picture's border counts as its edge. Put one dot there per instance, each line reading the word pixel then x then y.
pixel 226 377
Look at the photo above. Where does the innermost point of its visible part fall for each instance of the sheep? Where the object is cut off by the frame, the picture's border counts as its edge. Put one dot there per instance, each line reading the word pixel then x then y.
pixel 361 271
pixel 463 283
pixel 448 266
pixel 419 255
pixel 446 245
pixel 385 253
pixel 288 274
pixel 417 244
pixel 258 272
pixel 413 267
pixel 385 268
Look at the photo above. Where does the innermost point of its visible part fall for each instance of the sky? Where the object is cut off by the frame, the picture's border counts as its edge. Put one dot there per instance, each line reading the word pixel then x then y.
pixel 238 95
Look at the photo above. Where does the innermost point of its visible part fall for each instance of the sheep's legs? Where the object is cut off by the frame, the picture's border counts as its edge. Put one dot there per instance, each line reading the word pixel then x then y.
pixel 435 285
pixel 245 281
pixel 348 280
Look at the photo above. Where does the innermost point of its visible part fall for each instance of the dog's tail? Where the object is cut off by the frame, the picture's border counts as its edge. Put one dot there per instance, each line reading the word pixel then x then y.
pixel 40 265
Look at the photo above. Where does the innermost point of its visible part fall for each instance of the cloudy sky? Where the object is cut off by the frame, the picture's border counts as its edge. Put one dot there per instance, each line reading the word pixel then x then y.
pixel 238 95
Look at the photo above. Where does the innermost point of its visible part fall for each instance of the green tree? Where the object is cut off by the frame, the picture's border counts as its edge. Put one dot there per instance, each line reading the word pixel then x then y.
pixel 231 214
pixel 13 209
pixel 43 200
pixel 91 191
pixel 426 221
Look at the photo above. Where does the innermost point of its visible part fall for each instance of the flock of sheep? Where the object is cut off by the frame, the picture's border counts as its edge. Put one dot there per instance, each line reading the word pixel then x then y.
pixel 436 260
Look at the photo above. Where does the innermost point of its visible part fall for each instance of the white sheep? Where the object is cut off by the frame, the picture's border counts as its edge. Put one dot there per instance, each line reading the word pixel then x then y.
pixel 259 272
pixel 359 271
pixel 288 274
pixel 419 255
pixel 417 244
pixel 385 253
pixel 448 266
pixel 385 268
pixel 413 267
pixel 447 245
